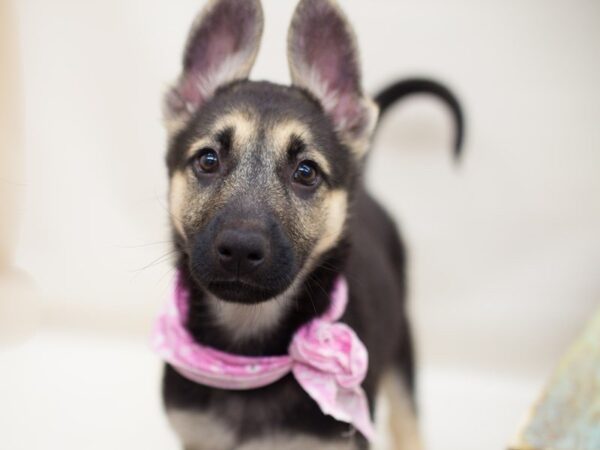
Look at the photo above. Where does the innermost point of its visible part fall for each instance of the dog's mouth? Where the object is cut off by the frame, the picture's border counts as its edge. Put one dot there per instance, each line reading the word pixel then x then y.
pixel 240 292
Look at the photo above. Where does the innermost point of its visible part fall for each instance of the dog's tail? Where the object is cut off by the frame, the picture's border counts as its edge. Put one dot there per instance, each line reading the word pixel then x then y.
pixel 404 88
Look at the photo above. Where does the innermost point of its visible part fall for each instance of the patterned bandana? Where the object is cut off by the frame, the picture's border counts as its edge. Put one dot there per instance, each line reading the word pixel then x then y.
pixel 326 357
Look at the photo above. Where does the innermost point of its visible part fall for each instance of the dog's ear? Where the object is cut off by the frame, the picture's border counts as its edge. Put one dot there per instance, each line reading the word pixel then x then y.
pixel 221 48
pixel 324 60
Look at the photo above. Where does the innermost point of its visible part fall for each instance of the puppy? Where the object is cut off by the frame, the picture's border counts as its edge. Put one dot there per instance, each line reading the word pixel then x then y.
pixel 269 213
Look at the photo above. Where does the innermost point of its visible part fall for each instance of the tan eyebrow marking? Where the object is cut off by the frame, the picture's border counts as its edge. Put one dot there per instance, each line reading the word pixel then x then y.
pixel 281 135
pixel 242 124
pixel 282 132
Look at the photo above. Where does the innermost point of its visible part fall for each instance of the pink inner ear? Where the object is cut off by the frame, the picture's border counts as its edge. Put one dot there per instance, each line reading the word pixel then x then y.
pixel 189 93
pixel 334 71
pixel 220 35
pixel 231 28
pixel 224 44
pixel 325 45
pixel 205 60
pixel 328 48
pixel 349 112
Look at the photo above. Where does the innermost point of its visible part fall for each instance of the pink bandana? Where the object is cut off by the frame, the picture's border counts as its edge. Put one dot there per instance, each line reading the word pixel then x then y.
pixel 326 357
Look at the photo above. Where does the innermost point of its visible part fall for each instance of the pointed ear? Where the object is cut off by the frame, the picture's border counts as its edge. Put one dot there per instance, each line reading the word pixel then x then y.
pixel 324 59
pixel 221 48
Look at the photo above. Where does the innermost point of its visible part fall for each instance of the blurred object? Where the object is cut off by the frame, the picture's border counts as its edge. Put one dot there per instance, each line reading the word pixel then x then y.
pixel 11 145
pixel 18 312
pixel 567 417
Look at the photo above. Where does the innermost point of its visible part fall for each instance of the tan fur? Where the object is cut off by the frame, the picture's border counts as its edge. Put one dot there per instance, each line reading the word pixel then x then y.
pixel 297 442
pixel 204 431
pixel 201 431
pixel 174 124
pixel 243 321
pixel 281 134
pixel 177 203
pixel 403 423
pixel 244 127
pixel 334 209
pixel 186 206
pixel 198 144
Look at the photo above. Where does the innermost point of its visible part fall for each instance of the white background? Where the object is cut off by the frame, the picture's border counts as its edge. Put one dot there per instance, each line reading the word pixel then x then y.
pixel 504 248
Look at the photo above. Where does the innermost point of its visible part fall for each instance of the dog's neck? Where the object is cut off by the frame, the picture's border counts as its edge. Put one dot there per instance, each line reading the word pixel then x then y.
pixel 265 328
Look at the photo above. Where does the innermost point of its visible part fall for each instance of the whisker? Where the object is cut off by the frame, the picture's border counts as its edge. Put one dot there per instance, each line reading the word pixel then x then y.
pixel 143 245
pixel 158 260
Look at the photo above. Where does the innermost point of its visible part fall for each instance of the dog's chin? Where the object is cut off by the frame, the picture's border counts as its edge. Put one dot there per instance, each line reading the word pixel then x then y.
pixel 240 292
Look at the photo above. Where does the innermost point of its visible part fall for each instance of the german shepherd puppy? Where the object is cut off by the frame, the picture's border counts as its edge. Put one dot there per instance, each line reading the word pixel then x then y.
pixel 268 208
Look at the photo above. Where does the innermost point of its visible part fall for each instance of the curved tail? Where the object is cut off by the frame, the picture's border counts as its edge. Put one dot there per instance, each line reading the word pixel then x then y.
pixel 403 88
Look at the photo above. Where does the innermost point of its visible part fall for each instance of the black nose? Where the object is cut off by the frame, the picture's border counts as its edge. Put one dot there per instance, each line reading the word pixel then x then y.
pixel 241 251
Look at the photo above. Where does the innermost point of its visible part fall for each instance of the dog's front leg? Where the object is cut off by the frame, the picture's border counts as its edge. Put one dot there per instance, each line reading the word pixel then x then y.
pixel 403 423
pixel 299 442
pixel 201 431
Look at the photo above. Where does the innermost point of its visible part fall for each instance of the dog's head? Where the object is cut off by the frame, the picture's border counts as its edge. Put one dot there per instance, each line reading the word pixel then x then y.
pixel 261 174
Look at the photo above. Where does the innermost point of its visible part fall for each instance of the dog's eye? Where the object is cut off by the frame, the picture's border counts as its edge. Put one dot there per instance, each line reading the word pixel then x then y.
pixel 307 174
pixel 207 161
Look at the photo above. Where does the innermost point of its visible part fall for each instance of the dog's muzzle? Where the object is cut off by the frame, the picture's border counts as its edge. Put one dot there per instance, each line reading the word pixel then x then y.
pixel 243 259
